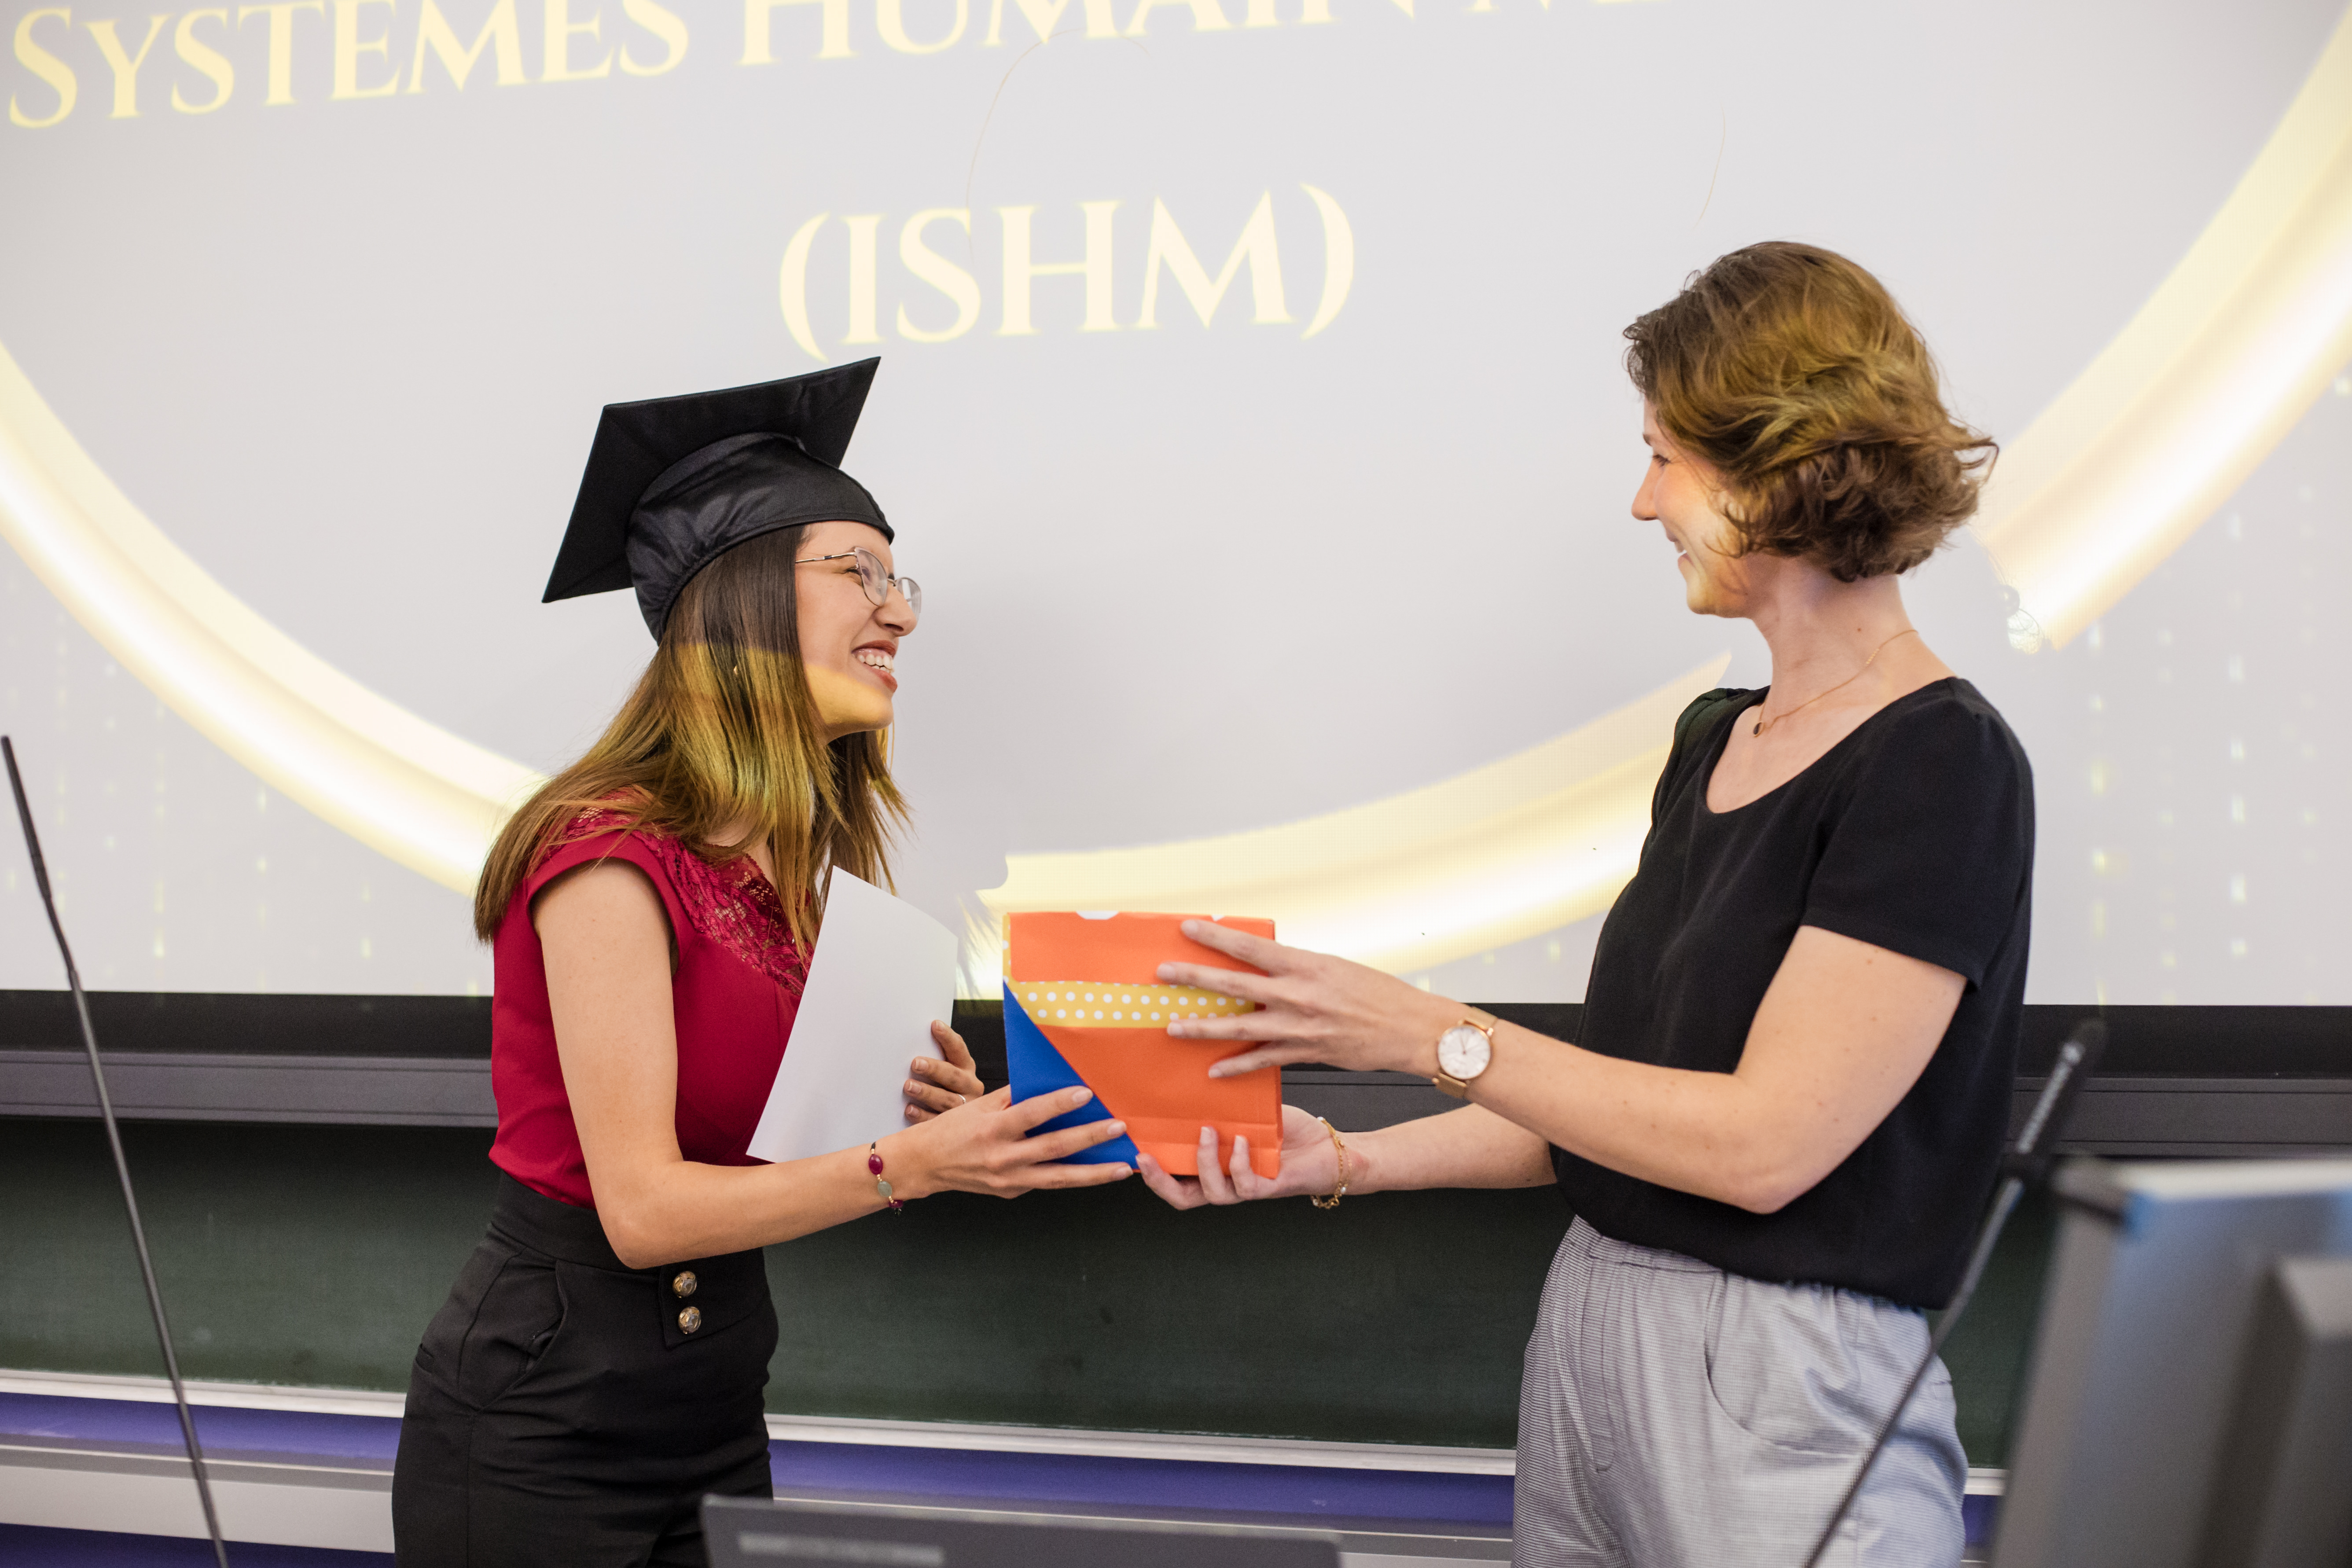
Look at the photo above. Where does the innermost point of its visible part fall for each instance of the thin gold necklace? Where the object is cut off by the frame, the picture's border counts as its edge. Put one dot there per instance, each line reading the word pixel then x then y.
pixel 1763 724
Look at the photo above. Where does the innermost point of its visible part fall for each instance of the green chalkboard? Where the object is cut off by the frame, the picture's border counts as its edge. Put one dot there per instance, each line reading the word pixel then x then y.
pixel 315 1255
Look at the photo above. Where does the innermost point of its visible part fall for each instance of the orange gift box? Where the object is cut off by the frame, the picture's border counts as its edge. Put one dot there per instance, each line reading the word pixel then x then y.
pixel 1084 1005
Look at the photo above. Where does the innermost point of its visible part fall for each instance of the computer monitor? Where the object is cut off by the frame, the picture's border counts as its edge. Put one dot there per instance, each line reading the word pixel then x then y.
pixel 2167 1352
pixel 743 1533
pixel 2284 1494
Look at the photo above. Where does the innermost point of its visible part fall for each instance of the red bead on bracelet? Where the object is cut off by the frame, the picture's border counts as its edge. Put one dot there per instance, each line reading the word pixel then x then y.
pixel 874 1164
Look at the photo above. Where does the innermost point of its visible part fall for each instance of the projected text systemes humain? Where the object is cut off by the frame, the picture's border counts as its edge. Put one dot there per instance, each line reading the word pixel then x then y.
pixel 361 46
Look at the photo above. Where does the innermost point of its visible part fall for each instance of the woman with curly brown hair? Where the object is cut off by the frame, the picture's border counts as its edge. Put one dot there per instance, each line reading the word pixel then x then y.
pixel 1786 1104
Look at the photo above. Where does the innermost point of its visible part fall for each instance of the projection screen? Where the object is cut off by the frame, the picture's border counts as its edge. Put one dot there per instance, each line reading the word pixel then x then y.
pixel 1251 409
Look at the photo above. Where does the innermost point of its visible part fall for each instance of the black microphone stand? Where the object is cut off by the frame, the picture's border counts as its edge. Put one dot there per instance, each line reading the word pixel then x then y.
pixel 2027 1165
pixel 121 1165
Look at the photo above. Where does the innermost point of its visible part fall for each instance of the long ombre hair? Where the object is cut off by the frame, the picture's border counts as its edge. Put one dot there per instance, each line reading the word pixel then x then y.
pixel 721 728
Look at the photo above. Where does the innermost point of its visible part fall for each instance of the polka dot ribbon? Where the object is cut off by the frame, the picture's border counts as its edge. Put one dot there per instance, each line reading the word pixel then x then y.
pixel 1084 1004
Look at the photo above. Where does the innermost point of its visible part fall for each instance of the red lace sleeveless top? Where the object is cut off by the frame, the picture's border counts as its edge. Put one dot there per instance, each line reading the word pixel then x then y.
pixel 734 993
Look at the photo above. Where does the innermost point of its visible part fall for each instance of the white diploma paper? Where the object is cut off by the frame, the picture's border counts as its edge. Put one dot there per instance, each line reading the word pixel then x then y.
pixel 882 970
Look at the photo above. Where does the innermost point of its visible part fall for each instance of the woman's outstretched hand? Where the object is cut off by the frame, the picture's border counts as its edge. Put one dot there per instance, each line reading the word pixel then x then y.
pixel 983 1146
pixel 938 1086
pixel 1310 1166
pixel 1311 1007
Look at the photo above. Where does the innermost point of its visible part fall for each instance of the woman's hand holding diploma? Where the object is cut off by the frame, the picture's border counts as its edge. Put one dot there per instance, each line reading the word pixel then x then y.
pixel 984 1146
pixel 937 1086
pixel 980 1142
pixel 1310 1165
pixel 1311 1007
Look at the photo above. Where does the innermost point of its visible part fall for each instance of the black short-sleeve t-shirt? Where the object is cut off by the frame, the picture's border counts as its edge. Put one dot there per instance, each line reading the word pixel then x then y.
pixel 1915 834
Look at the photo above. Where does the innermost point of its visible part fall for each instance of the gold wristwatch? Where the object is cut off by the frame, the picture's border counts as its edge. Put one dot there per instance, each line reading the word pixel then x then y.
pixel 1463 1053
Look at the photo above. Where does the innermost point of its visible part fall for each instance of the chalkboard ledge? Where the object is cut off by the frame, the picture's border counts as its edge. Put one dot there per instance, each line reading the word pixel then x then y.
pixel 2229 1082
pixel 1195 1446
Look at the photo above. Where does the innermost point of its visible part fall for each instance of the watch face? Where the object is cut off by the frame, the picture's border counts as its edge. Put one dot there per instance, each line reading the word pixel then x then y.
pixel 1463 1052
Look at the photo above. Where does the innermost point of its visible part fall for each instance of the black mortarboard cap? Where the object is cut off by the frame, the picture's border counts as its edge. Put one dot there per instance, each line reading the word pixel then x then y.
pixel 673 483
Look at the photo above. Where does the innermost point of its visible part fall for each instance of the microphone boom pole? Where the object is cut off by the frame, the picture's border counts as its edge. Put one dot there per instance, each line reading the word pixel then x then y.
pixel 121 1165
pixel 2026 1164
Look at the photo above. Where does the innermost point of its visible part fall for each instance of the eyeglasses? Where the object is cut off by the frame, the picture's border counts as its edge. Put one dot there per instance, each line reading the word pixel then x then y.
pixel 874 578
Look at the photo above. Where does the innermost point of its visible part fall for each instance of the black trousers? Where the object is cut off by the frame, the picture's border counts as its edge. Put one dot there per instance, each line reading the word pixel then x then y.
pixel 565 1410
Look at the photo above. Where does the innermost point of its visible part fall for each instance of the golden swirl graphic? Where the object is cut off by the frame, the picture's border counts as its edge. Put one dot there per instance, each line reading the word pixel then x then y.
pixel 1521 845
pixel 2215 369
pixel 406 788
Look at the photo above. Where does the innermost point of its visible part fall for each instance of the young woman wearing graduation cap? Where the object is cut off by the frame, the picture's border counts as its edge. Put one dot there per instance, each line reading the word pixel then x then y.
pixel 599 1364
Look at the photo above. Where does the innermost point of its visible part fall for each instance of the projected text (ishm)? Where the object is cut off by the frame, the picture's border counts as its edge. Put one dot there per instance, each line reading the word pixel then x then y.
pixel 944 298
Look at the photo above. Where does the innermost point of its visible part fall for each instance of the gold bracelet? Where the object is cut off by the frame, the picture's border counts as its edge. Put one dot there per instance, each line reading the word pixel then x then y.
pixel 1333 1200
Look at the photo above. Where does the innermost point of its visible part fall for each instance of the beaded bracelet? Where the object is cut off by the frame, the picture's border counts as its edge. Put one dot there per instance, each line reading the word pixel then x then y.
pixel 1331 1200
pixel 874 1164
